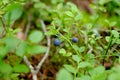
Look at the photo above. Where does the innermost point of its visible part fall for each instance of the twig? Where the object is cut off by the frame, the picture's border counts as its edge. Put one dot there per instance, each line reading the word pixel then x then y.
pixel 34 75
pixel 36 70
pixel 90 48
pixel 86 42
pixel 48 47
pixel 4 28
pixel 27 27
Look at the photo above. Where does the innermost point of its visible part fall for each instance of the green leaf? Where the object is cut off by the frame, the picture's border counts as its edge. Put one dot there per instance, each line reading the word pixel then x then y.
pixel 114 76
pixel 21 49
pixel 68 54
pixel 97 70
pixel 84 64
pixel 76 47
pixel 1 30
pixel 70 14
pixel 85 77
pixel 76 58
pixel 36 49
pixel 11 43
pixel 78 17
pixel 82 49
pixel 14 76
pixel 101 76
pixel 35 36
pixel 62 51
pixel 115 33
pixel 98 73
pixel 21 68
pixel 3 51
pixel 112 23
pixel 14 11
pixel 74 8
pixel 70 68
pixel 5 68
pixel 117 41
pixel 107 38
pixel 63 74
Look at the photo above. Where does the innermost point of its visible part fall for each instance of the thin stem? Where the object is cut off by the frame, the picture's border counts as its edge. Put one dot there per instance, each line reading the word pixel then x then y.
pixel 107 49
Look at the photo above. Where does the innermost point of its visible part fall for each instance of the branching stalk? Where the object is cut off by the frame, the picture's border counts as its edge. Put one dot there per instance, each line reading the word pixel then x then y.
pixel 48 47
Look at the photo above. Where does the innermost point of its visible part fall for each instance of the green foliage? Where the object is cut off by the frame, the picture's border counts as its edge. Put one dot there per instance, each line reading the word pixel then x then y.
pixel 98 35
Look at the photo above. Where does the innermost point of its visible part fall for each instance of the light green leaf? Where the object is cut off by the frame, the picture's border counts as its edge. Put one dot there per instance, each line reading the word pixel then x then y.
pixel 3 51
pixel 85 78
pixel 115 33
pixel 35 36
pixel 1 29
pixel 5 68
pixel 112 23
pixel 70 68
pixel 21 49
pixel 84 64
pixel 14 76
pixel 62 51
pixel 114 76
pixel 101 76
pixel 14 11
pixel 82 49
pixel 11 43
pixel 78 17
pixel 70 14
pixel 68 54
pixel 107 38
pixel 76 58
pixel 36 49
pixel 97 70
pixel 63 74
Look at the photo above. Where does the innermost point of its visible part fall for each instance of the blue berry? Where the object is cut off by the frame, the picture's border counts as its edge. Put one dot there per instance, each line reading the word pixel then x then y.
pixel 57 42
pixel 75 40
